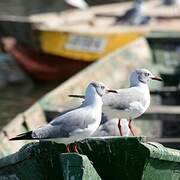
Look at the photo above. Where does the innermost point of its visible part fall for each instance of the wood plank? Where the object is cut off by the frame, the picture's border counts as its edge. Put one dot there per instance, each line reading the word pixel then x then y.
pixel 162 112
pixel 165 140
pixel 166 90
pixel 163 109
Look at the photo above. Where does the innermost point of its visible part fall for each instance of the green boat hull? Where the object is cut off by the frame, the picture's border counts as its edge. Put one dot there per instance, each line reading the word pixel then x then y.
pixel 102 158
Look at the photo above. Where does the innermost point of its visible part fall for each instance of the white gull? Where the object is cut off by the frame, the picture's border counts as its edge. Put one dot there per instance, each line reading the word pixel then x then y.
pixel 76 124
pixel 132 102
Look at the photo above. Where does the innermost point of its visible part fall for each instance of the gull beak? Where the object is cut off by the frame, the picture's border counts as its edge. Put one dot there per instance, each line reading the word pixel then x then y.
pixel 112 91
pixel 156 78
pixel 76 96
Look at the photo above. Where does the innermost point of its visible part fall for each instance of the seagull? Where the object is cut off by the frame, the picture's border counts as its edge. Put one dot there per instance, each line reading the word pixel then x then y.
pixel 76 124
pixel 129 103
pixel 134 15
pixel 124 127
pixel 109 127
pixel 81 4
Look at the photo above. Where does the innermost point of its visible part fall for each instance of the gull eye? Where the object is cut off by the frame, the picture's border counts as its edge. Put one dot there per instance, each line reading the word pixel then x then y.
pixel 102 87
pixel 147 74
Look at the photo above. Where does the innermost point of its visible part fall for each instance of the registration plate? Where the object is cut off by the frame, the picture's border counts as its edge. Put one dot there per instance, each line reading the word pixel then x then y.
pixel 86 44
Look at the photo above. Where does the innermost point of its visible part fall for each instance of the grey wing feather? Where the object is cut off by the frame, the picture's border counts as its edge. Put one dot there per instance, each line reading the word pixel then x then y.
pixel 123 99
pixel 63 125
pixel 108 127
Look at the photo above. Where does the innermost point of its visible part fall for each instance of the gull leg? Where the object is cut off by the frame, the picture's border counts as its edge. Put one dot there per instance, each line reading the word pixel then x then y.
pixel 67 148
pixel 119 126
pixel 130 127
pixel 75 148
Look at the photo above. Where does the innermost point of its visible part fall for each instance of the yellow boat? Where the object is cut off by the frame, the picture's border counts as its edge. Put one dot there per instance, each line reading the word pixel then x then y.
pixel 61 43
pixel 91 34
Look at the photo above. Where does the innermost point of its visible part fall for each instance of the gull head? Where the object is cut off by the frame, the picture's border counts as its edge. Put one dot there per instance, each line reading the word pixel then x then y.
pixel 98 88
pixel 142 76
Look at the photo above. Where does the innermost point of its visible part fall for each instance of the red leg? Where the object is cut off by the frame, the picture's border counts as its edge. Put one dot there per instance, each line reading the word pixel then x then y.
pixel 76 148
pixel 119 126
pixel 67 148
pixel 130 127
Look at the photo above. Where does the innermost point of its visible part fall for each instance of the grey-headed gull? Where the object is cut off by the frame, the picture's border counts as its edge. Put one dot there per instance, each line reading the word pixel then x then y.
pixel 132 102
pixel 134 15
pixel 109 127
pixel 76 124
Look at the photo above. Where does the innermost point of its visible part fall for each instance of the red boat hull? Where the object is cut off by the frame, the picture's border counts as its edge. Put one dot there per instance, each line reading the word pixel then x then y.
pixel 42 66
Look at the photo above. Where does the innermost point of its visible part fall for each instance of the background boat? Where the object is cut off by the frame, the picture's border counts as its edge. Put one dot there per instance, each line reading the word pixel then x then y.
pixel 61 44
pixel 70 31
pixel 42 66
pixel 87 35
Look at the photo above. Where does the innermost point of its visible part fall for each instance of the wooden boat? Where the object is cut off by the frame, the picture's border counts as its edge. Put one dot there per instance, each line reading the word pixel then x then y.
pixel 101 158
pixel 87 35
pixel 71 40
pixel 20 8
pixel 18 19
pixel 41 66
pixel 113 70
pixel 44 66
pixel 94 33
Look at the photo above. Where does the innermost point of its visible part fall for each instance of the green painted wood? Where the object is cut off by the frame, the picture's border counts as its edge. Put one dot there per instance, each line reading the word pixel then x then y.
pixel 127 158
pixel 77 167
pixel 116 158
pixel 172 35
pixel 130 158
pixel 165 47
pixel 33 161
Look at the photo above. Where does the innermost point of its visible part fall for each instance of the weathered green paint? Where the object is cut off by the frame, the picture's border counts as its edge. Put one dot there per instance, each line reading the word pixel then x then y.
pixel 165 52
pixel 129 158
pixel 159 35
pixel 116 158
pixel 77 167
pixel 155 170
pixel 33 161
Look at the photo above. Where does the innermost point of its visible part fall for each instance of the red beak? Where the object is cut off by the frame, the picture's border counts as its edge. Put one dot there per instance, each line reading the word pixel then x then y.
pixel 157 78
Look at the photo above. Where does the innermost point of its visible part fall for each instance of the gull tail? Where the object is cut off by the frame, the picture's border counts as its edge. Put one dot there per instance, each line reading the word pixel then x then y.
pixel 23 136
